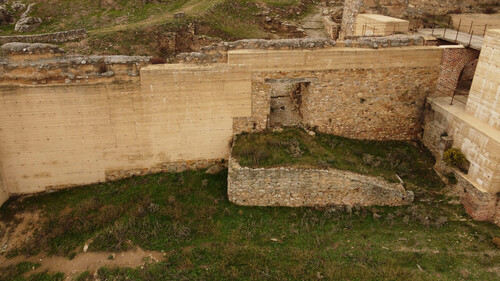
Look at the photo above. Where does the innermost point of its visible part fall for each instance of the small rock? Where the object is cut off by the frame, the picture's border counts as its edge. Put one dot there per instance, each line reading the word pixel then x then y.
pixel 179 15
pixel 496 241
pixel 311 133
pixel 274 240
pixel 85 248
pixel 18 6
pixel 6 17
pixel 214 169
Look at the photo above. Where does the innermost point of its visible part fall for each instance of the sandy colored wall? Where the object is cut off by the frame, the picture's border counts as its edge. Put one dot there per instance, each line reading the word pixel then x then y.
pixel 58 135
pixel 4 194
pixel 357 93
pixel 484 97
pixel 53 136
pixel 378 25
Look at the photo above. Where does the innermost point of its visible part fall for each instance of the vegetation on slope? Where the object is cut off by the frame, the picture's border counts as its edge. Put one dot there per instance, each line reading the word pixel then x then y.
pixel 294 147
pixel 205 237
pixel 137 27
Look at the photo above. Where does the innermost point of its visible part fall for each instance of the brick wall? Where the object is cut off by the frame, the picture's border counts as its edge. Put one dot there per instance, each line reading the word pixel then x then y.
pixel 455 58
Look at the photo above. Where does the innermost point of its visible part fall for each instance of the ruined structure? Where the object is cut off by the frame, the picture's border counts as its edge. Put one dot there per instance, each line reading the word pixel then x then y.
pixel 473 127
pixel 73 120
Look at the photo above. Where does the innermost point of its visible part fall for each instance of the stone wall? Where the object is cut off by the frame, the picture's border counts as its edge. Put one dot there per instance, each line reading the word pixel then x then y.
pixel 455 58
pixel 332 28
pixel 351 11
pixel 56 37
pixel 143 118
pixel 33 64
pixel 484 95
pixel 310 187
pixel 4 194
pixel 62 135
pixel 357 93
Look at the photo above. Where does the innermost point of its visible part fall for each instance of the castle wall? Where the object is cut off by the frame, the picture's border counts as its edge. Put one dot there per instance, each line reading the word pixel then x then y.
pixel 95 129
pixel 54 136
pixel 484 97
pixel 4 194
pixel 310 187
pixel 357 93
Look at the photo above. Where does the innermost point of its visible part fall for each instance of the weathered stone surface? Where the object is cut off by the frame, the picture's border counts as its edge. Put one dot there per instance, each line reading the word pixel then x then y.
pixel 6 17
pixel 27 23
pixel 294 187
pixel 27 48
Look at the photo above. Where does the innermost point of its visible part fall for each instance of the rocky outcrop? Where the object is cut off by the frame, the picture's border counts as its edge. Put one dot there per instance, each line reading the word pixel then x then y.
pixel 18 6
pixel 27 23
pixel 27 48
pixel 6 17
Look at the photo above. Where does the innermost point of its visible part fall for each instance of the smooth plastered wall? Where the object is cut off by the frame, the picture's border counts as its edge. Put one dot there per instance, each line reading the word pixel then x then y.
pixel 55 136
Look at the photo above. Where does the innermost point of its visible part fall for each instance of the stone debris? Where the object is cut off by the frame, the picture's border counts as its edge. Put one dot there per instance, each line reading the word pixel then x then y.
pixel 27 23
pixel 18 6
pixel 6 16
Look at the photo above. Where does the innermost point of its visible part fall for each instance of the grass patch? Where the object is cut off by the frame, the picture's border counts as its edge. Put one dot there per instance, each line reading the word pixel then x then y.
pixel 294 147
pixel 205 237
pixel 17 272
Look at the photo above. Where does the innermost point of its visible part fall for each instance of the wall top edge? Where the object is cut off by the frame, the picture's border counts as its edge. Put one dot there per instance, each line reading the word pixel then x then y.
pixel 337 50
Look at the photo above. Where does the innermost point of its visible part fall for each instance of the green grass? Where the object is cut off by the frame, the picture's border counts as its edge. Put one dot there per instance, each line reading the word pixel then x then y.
pixel 132 27
pixel 205 237
pixel 16 273
pixel 412 162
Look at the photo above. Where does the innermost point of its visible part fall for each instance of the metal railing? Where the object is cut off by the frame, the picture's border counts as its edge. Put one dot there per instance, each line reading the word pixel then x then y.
pixel 471 28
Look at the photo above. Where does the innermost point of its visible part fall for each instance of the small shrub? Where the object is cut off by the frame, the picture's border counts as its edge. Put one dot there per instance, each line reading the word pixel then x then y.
pixel 451 178
pixel 157 60
pixel 454 157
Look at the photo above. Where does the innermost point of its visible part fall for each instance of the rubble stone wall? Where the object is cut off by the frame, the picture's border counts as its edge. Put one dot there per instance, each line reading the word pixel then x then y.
pixel 293 187
pixel 56 37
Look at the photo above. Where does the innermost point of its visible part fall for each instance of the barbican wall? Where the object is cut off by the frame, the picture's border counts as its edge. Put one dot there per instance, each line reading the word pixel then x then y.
pixel 84 122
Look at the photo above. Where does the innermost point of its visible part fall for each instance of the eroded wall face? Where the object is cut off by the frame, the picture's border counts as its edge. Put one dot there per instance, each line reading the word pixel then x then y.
pixel 364 94
pixel 56 136
pixel 60 135
pixel 4 194
pixel 484 97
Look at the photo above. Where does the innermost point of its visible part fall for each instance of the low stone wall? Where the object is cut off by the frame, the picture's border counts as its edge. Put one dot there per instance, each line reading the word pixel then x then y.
pixel 39 63
pixel 218 52
pixel 332 28
pixel 56 37
pixel 294 187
